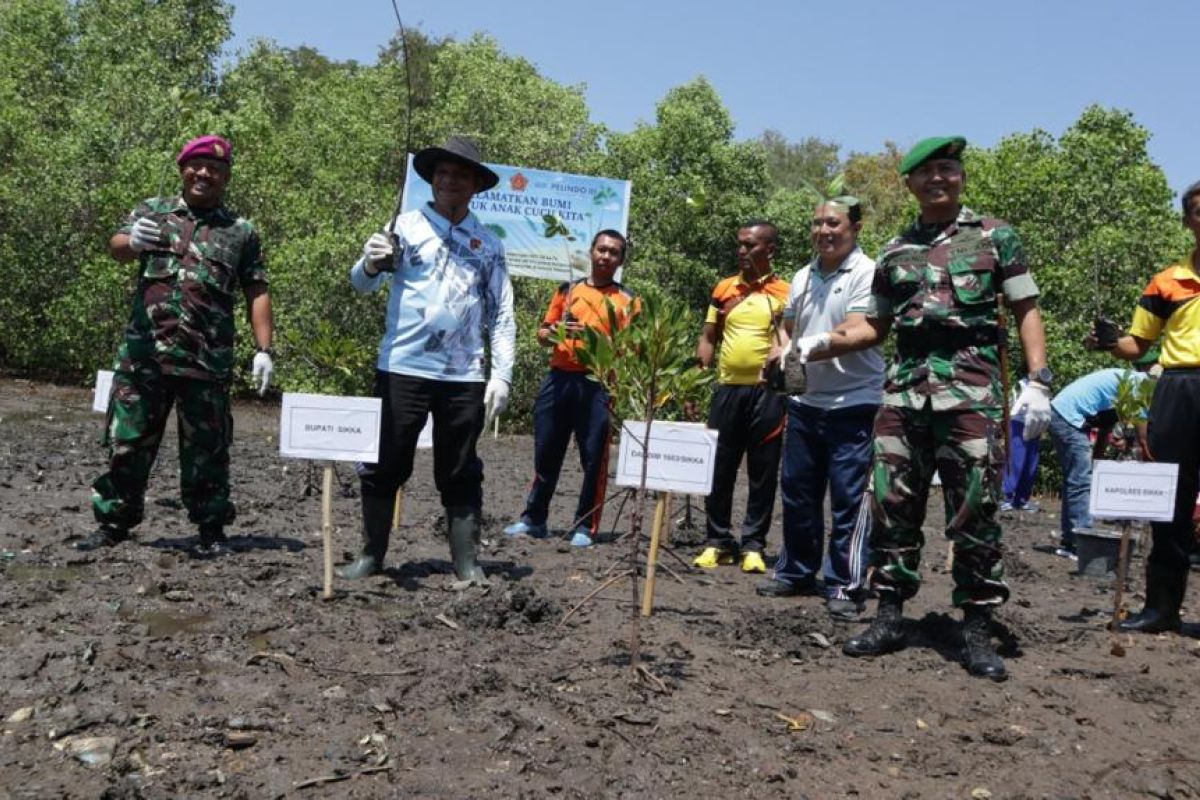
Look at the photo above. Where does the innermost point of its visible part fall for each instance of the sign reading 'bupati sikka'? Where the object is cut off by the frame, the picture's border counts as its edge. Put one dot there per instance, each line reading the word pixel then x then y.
pixel 546 220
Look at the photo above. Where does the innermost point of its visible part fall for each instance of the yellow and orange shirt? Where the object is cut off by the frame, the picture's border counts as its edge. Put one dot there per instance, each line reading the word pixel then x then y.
pixel 749 327
pixel 1170 307
pixel 588 305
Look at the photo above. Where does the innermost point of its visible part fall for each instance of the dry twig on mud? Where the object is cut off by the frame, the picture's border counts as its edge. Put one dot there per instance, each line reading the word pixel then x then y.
pixel 321 780
pixel 592 594
pixel 655 682
pixel 283 660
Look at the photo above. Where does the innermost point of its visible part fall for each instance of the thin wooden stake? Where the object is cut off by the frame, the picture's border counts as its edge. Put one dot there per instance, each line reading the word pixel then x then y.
pixel 398 510
pixel 660 512
pixel 327 527
pixel 1122 568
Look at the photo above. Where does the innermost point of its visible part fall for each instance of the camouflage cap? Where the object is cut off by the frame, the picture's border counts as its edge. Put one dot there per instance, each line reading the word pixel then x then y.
pixel 933 147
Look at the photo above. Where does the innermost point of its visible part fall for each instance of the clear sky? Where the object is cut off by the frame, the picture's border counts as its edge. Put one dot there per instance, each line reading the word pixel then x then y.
pixel 858 73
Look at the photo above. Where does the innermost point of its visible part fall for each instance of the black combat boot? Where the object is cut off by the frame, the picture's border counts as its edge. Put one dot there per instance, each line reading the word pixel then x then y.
pixel 1165 587
pixel 211 541
pixel 462 529
pixel 886 634
pixel 377 529
pixel 104 536
pixel 978 653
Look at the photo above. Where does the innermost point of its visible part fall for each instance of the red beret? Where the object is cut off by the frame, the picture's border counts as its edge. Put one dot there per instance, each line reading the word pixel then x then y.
pixel 206 147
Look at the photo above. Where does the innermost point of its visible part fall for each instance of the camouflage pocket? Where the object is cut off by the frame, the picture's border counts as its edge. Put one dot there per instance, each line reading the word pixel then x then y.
pixel 218 273
pixel 159 264
pixel 974 283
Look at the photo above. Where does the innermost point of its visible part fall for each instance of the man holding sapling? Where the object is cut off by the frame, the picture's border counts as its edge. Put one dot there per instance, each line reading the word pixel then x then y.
pixel 939 283
pixel 828 441
pixel 449 289
pixel 741 329
pixel 570 402
pixel 193 255
pixel 1169 309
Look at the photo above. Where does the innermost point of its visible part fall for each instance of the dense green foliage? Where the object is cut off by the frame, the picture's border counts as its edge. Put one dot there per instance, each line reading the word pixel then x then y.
pixel 97 95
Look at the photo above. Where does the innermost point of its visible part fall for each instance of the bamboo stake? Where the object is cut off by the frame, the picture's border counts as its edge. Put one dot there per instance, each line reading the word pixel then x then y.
pixel 660 511
pixel 1122 568
pixel 398 510
pixel 327 527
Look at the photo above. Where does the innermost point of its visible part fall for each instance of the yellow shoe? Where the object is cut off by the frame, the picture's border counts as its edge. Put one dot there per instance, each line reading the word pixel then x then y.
pixel 753 562
pixel 713 557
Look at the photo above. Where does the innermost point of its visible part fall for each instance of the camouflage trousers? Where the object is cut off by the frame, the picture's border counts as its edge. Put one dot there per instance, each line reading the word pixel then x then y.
pixel 966 449
pixel 137 417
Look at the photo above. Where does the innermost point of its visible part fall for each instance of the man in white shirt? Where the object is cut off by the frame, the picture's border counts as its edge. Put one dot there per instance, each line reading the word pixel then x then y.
pixel 449 288
pixel 828 440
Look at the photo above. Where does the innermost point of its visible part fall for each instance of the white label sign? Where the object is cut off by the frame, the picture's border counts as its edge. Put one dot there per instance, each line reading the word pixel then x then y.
pixel 1133 490
pixel 682 456
pixel 104 379
pixel 330 428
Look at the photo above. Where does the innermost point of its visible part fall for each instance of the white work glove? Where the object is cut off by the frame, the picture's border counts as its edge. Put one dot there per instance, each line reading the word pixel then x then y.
pixel 145 234
pixel 808 345
pixel 262 371
pixel 495 400
pixel 377 248
pixel 1034 400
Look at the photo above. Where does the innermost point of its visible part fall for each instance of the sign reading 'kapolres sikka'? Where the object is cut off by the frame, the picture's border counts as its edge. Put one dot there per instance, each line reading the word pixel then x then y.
pixel 1133 490
pixel 546 220
pixel 682 456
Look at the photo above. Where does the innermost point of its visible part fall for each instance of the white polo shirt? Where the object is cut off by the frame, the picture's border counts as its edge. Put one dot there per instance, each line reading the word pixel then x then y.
pixel 819 303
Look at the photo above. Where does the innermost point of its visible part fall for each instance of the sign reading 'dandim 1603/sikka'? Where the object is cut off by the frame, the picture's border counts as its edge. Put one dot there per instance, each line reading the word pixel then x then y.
pixel 682 455
pixel 330 428
pixel 1133 490
pixel 546 220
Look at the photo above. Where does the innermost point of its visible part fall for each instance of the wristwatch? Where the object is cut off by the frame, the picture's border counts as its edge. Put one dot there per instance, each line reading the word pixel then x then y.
pixel 1043 375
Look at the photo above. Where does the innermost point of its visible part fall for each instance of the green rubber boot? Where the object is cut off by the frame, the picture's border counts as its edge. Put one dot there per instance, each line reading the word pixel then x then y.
pixel 377 527
pixel 462 524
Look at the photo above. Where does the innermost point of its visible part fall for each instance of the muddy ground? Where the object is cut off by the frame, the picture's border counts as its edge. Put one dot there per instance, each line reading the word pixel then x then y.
pixel 229 677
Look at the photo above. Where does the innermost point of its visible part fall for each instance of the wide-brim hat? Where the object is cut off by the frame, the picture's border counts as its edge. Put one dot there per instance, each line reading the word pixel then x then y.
pixel 460 149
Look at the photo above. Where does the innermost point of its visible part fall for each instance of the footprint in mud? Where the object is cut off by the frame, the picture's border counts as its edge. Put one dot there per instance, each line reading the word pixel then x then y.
pixel 517 608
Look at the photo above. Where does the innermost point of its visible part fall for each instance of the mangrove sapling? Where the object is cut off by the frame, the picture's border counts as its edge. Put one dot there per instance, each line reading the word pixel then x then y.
pixel 647 367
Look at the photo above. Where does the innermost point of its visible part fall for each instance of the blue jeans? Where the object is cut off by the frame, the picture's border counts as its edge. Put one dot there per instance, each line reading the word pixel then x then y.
pixel 1074 451
pixel 569 404
pixel 826 448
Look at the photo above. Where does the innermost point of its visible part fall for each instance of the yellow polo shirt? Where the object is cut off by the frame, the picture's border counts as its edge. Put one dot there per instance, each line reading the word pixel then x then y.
pixel 749 325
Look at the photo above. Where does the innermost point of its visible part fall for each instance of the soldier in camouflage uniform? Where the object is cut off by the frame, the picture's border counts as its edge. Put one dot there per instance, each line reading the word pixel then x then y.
pixel 192 255
pixel 938 284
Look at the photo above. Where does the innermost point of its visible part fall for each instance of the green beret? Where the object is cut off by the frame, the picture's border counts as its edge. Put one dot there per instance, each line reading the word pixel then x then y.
pixel 933 147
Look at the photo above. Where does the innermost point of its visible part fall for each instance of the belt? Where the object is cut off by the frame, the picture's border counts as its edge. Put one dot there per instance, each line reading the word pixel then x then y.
pixel 922 340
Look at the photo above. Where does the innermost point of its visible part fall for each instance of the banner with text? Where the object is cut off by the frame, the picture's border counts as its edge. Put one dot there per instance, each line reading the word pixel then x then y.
pixel 546 220
pixel 682 457
pixel 1133 490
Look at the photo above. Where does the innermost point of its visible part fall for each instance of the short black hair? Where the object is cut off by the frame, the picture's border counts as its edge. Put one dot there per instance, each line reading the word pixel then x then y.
pixel 772 237
pixel 1188 194
pixel 614 234
pixel 852 205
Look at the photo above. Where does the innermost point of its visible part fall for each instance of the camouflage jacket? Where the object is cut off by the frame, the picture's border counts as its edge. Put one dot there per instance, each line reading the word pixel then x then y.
pixel 182 320
pixel 938 286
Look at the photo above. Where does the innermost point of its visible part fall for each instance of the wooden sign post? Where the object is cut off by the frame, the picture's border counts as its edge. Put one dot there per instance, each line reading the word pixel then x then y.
pixel 331 429
pixel 1125 491
pixel 658 535
pixel 681 459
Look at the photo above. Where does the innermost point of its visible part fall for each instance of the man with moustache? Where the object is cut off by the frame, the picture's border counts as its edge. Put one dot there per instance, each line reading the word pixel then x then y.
pixel 743 325
pixel 193 254
pixel 449 289
pixel 570 402
pixel 828 439
pixel 939 284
